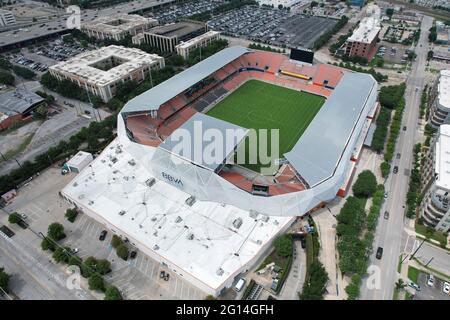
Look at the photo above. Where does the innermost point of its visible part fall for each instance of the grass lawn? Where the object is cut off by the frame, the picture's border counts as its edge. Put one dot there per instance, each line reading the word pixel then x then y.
pixel 260 105
pixel 433 234
pixel 413 274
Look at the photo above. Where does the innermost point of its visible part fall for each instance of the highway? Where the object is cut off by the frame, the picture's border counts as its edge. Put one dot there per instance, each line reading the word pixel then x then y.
pixel 58 25
pixel 390 234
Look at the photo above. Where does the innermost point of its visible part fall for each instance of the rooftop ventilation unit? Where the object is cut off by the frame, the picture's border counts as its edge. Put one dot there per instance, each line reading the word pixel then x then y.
pixel 253 214
pixel 121 212
pixel 190 236
pixel 150 182
pixel 178 219
pixel 265 218
pixel 155 247
pixel 190 201
pixel 237 223
pixel 132 162
pixel 220 272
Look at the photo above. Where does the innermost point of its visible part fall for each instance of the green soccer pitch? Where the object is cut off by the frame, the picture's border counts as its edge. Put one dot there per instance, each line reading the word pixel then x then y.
pixel 260 105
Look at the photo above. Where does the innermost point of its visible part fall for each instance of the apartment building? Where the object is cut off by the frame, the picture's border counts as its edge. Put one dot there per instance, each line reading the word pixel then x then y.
pixel 167 37
pixel 117 27
pixel 185 48
pixel 434 209
pixel 363 42
pixel 100 71
pixel 440 108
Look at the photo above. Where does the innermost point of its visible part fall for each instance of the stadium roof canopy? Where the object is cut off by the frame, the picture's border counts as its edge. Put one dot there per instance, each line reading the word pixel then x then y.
pixel 320 148
pixel 204 140
pixel 155 97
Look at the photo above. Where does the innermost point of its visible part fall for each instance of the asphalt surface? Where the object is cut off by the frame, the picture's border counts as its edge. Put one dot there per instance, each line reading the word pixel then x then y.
pixel 390 233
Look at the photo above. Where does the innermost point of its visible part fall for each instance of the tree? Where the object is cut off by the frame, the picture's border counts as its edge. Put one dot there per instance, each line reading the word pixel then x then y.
pixel 71 214
pixel 365 185
pixel 96 283
pixel 4 280
pixel 14 218
pixel 75 261
pixel 62 254
pixel 315 286
pixel 389 12
pixel 112 293
pixel 103 266
pixel 400 284
pixel 6 78
pixel 122 251
pixel 116 241
pixel 430 55
pixel 283 245
pixel 385 169
pixel 56 231
pixel 47 244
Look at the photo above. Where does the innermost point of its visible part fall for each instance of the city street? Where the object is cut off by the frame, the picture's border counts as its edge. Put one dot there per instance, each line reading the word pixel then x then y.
pixel 390 233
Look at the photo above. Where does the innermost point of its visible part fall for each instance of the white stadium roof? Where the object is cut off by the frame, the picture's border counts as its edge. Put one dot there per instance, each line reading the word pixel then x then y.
pixel 319 150
pixel 163 92
pixel 201 239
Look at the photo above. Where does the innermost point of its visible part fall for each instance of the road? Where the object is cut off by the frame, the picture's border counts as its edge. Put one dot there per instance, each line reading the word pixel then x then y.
pixel 390 233
pixel 34 276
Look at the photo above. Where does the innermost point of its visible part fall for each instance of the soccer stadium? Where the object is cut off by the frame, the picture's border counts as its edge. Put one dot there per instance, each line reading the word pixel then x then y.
pixel 209 219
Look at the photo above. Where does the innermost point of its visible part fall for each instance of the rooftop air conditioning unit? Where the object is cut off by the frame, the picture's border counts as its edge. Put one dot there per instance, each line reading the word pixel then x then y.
pixel 150 182
pixel 237 223
pixel 190 201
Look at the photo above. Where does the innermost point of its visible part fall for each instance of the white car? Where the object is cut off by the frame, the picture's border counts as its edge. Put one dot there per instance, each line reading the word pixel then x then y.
pixel 430 281
pixel 446 288
pixel 23 216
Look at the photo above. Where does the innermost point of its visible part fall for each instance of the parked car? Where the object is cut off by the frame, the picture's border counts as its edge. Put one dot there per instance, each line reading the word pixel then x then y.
pixel 103 235
pixel 23 216
pixel 395 169
pixel 446 288
pixel 404 128
pixel 133 254
pixel 414 285
pixel 398 155
pixel 430 281
pixel 386 215
pixel 379 253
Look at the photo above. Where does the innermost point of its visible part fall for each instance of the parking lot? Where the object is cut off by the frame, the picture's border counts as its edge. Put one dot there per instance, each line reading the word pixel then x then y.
pixel 184 10
pixel 430 293
pixel 137 278
pixel 272 26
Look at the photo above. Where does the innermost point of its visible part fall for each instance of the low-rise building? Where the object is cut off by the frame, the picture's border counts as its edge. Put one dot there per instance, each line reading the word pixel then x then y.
pixel 363 42
pixel 166 37
pixel 79 161
pixel 6 18
pixel 101 71
pixel 17 106
pixel 435 210
pixel 118 26
pixel 185 48
pixel 440 109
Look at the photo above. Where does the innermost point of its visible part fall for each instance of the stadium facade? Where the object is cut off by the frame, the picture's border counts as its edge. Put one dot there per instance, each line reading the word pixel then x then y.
pixel 210 221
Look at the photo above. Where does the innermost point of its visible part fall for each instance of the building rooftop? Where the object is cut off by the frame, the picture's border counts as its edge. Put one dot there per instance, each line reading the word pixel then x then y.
pixel 118 23
pixel 200 38
pixel 79 158
pixel 367 30
pixel 442 165
pixel 178 29
pixel 85 65
pixel 201 239
pixel 444 89
pixel 18 101
pixel 152 99
pixel 339 115
pixel 196 127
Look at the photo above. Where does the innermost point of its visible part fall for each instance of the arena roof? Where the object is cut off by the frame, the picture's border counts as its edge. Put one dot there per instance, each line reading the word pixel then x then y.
pixel 317 153
pixel 155 97
pixel 194 151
